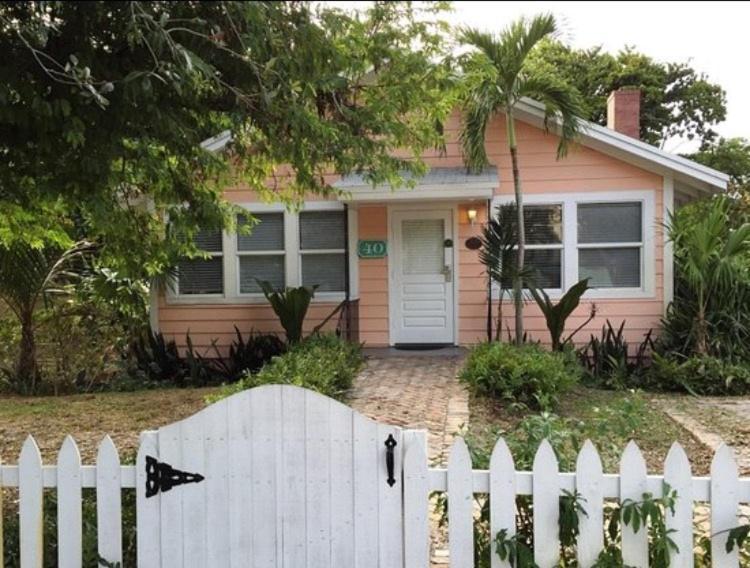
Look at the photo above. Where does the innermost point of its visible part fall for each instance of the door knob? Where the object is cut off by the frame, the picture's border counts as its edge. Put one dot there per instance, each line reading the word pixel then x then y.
pixel 448 273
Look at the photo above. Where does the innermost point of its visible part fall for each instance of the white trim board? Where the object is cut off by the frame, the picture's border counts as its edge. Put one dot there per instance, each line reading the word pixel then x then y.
pixel 292 264
pixel 633 151
pixel 569 202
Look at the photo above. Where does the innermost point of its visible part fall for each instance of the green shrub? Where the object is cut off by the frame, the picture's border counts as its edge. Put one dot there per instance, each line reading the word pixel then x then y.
pixel 698 375
pixel 608 361
pixel 527 374
pixel 323 363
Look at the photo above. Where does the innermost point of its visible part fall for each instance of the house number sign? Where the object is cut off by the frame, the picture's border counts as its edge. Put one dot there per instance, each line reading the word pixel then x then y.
pixel 372 249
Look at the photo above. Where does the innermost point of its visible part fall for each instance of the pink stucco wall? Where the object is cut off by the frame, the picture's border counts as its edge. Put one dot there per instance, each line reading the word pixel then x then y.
pixel 583 170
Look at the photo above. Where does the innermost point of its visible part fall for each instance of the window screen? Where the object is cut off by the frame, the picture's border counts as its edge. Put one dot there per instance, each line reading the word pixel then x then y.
pixel 203 276
pixel 261 253
pixel 610 244
pixel 322 236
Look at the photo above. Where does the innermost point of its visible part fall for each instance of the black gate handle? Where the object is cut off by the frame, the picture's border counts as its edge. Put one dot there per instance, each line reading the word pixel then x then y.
pixel 390 443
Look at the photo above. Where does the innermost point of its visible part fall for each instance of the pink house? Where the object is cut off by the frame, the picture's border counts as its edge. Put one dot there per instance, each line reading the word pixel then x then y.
pixel 401 257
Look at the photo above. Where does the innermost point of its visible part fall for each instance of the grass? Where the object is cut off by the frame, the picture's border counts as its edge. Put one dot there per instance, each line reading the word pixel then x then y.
pixel 609 418
pixel 89 417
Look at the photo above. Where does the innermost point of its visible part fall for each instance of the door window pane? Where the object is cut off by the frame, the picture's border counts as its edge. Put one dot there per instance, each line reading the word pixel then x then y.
pixel 422 246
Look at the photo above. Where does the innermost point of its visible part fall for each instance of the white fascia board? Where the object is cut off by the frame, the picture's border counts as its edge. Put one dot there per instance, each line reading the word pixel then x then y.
pixel 634 151
pixel 421 193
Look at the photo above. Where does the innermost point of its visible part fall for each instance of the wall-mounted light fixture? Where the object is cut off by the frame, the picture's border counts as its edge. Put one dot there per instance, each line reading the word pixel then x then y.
pixel 472 215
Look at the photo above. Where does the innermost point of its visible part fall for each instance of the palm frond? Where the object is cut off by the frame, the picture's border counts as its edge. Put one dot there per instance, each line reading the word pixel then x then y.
pixel 563 105
pixel 480 104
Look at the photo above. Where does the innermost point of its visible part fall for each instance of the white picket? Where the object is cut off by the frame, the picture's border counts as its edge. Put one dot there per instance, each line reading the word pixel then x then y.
pixel 147 509
pixel 240 432
pixel 109 502
pixel 460 506
pixel 317 467
pixel 546 495
pixel 366 479
pixel 265 415
pixel 633 484
pixel 170 509
pixel 293 504
pixel 390 500
pixel 193 496
pixel 342 487
pixel 416 505
pixel 69 513
pixel 589 479
pixel 678 476
pixel 216 484
pixel 724 506
pixel 502 498
pixel 30 496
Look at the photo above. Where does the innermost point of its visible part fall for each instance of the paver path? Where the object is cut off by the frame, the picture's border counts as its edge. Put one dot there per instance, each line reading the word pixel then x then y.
pixel 415 390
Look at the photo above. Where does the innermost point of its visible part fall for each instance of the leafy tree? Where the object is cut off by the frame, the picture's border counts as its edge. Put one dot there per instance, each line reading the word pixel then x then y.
pixel 676 101
pixel 29 276
pixel 710 257
pixel 498 75
pixel 731 156
pixel 103 106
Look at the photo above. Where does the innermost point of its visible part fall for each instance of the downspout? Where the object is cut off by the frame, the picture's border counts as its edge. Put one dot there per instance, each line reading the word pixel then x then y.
pixel 489 285
pixel 347 283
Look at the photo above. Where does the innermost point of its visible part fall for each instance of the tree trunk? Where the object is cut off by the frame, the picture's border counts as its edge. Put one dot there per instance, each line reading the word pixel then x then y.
pixel 518 281
pixel 26 368
pixel 701 329
pixel 499 329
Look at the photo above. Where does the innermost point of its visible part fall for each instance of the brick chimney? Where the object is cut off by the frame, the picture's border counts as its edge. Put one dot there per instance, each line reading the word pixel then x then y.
pixel 624 111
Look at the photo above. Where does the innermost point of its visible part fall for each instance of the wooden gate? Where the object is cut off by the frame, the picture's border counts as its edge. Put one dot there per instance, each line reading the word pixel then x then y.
pixel 275 476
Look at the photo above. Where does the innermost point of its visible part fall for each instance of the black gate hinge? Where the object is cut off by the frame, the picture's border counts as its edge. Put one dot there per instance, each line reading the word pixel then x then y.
pixel 162 477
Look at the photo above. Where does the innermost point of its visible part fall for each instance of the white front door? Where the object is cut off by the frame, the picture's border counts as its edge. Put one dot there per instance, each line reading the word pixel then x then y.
pixel 421 272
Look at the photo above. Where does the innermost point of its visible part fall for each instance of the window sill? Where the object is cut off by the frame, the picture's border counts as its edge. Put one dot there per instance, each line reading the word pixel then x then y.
pixel 245 299
pixel 591 294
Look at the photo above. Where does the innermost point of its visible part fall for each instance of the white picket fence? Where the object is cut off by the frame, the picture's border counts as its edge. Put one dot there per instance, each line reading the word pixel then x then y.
pixel 724 490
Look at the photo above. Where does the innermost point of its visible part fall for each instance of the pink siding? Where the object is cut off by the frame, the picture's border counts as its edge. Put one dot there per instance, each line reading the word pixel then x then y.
pixel 583 170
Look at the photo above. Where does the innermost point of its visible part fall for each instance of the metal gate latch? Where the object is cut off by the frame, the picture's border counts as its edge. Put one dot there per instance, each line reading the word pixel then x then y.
pixel 390 443
pixel 162 477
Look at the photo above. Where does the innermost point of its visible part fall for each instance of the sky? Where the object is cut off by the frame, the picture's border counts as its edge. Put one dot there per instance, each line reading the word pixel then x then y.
pixel 711 36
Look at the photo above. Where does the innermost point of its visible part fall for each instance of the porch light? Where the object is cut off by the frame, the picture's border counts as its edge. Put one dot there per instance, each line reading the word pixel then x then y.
pixel 472 215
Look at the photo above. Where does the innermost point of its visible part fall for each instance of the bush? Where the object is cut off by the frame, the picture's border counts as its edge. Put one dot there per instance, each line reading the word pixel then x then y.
pixel 527 374
pixel 607 359
pixel 157 361
pixel 698 375
pixel 323 363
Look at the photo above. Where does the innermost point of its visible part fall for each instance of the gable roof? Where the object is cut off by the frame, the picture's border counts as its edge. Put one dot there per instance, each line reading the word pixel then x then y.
pixel 633 151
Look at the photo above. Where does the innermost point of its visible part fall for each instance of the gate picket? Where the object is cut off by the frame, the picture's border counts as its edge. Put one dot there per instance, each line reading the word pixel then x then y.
pixel 679 477
pixel 216 487
pixel 589 479
pixel 366 480
pixel 633 484
pixel 294 494
pixel 724 506
pixel 390 501
pixel 546 495
pixel 69 514
pixel 109 502
pixel 240 432
pixel 148 510
pixel 317 467
pixel 170 451
pixel 30 495
pixel 416 503
pixel 342 484
pixel 460 506
pixel 192 434
pixel 502 497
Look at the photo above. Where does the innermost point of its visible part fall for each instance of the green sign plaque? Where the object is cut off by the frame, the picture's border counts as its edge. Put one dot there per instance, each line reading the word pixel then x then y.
pixel 372 249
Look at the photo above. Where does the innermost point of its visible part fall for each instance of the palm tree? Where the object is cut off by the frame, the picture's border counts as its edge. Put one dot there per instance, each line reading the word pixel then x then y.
pixel 710 257
pixel 498 76
pixel 27 275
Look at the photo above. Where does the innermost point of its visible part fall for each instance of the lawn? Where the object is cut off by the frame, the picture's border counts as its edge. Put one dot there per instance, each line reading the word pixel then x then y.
pixel 609 418
pixel 88 417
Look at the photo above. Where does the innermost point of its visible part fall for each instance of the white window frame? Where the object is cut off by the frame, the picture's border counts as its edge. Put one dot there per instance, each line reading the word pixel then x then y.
pixel 571 246
pixel 292 258
pixel 238 254
pixel 311 252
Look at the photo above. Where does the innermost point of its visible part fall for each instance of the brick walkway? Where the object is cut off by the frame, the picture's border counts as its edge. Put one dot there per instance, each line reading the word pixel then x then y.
pixel 415 389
